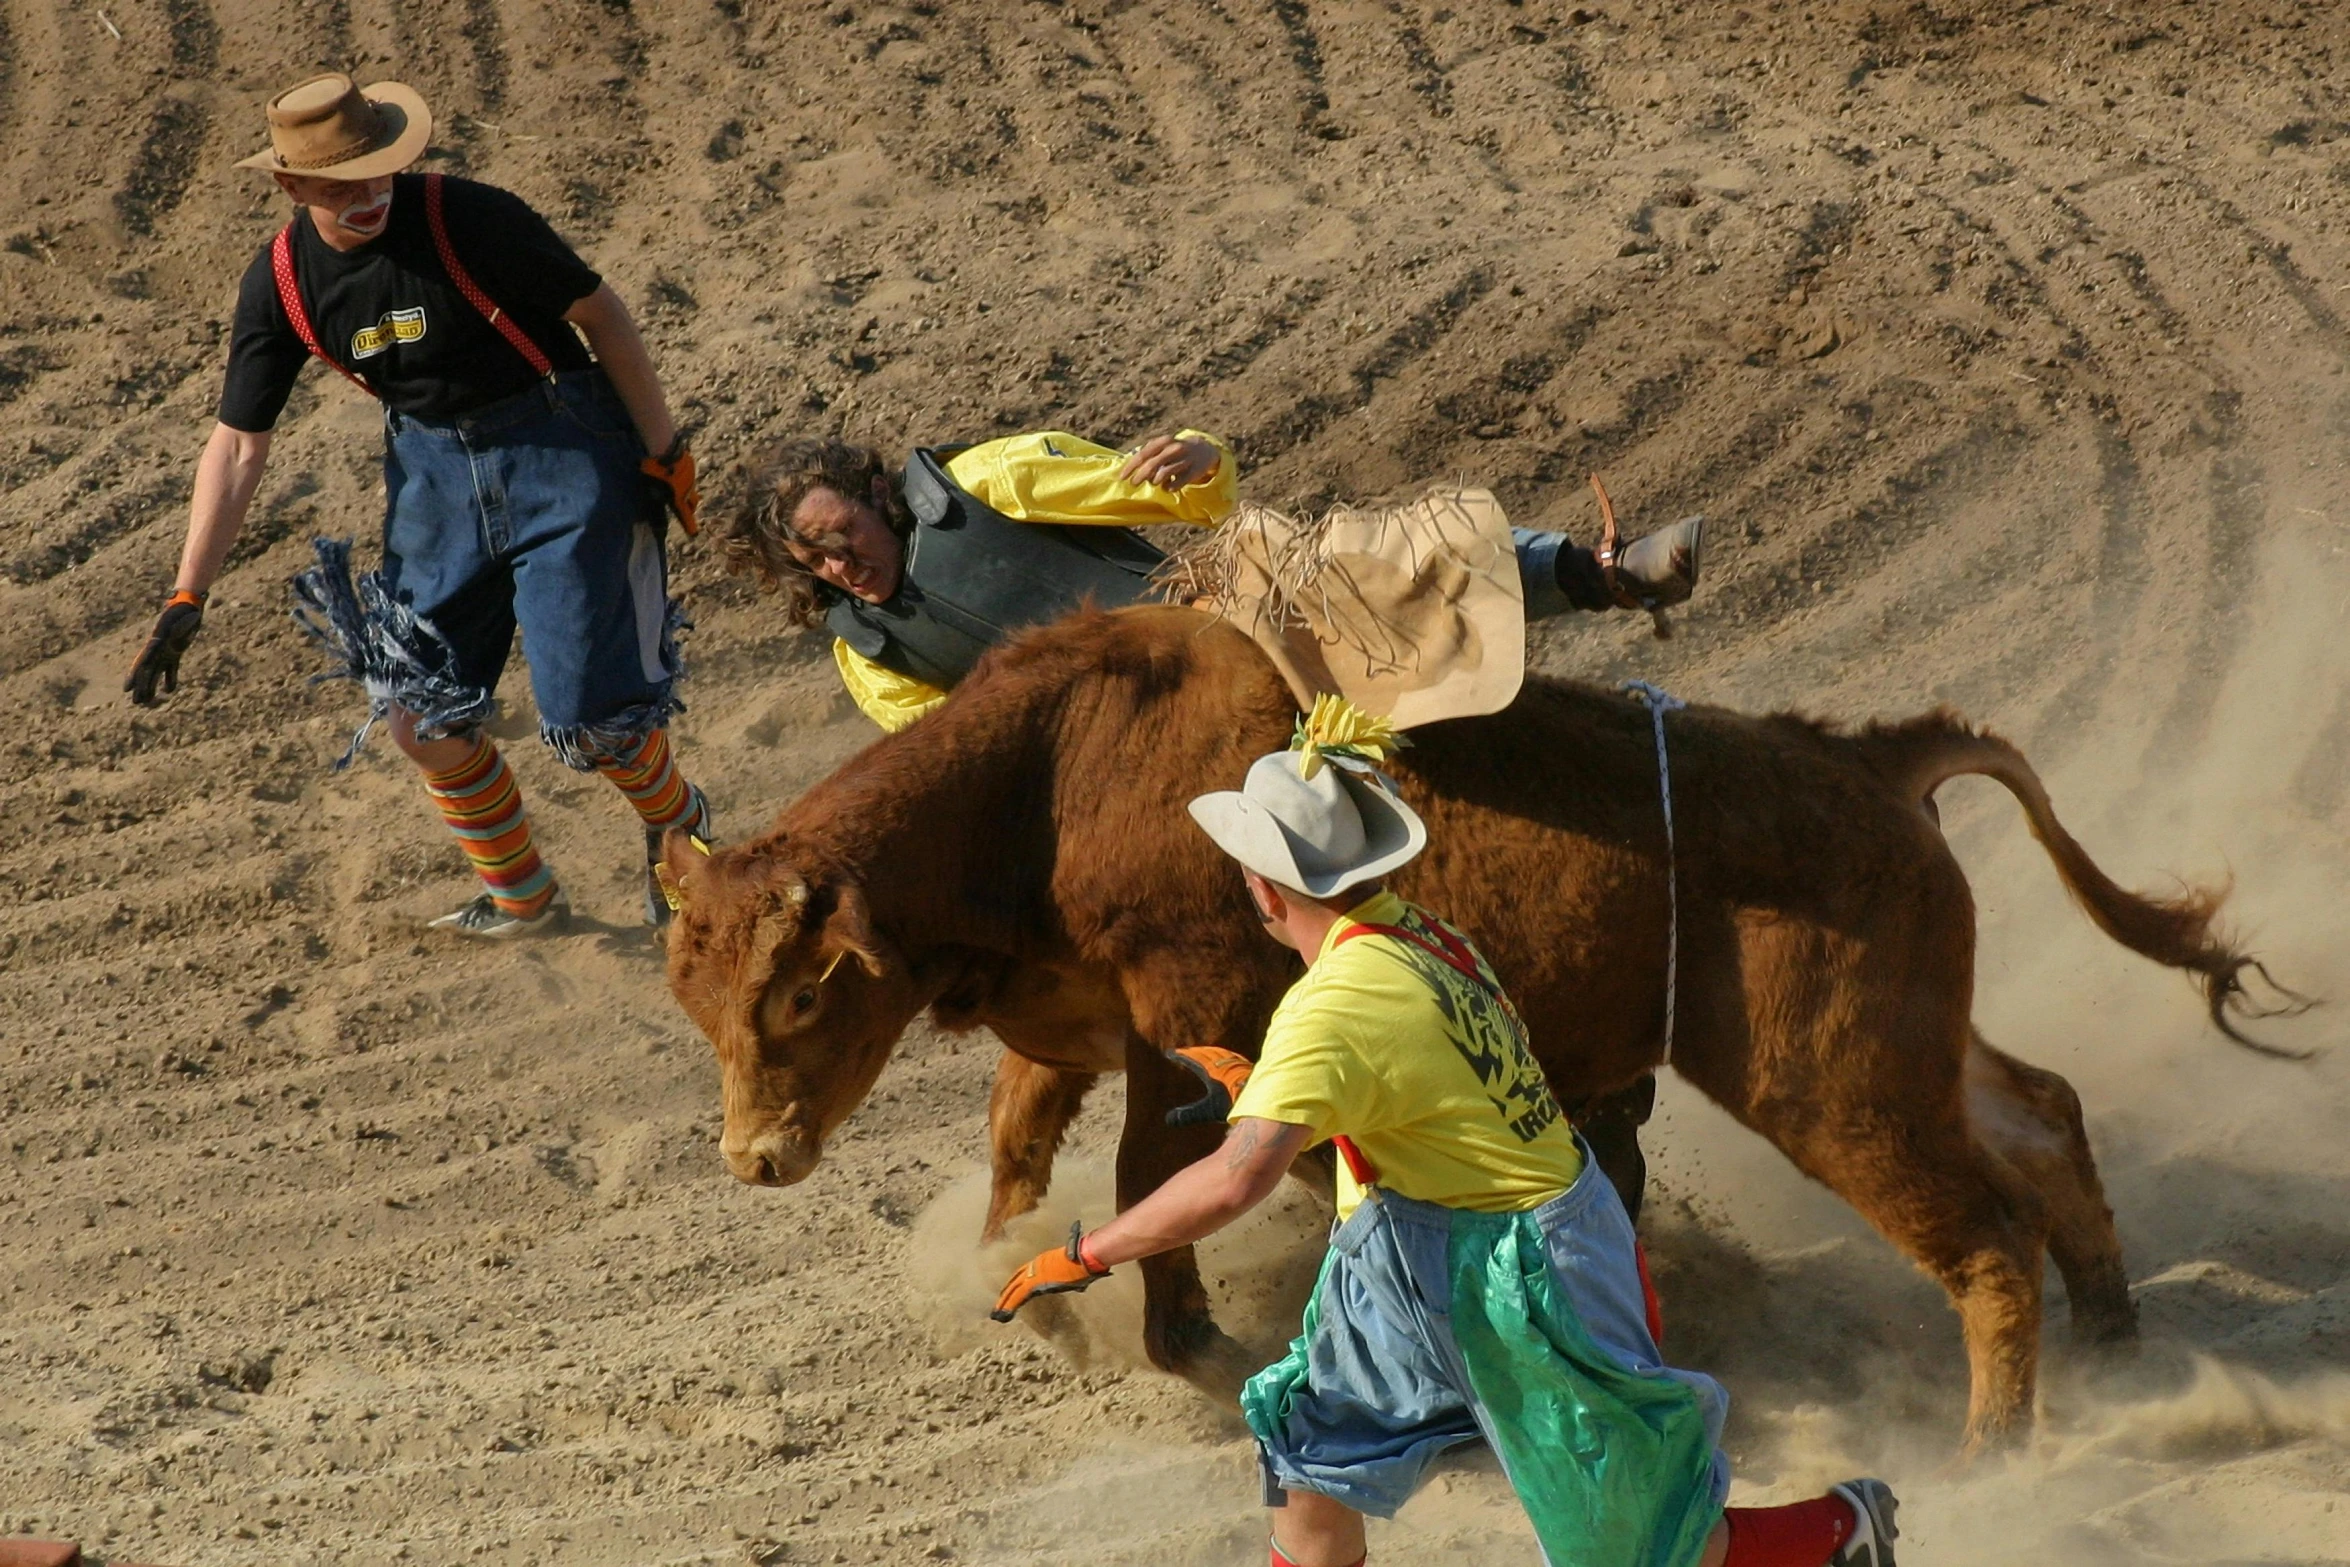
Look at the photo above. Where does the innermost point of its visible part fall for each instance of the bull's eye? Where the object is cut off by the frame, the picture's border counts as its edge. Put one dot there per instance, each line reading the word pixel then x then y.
pixel 804 1001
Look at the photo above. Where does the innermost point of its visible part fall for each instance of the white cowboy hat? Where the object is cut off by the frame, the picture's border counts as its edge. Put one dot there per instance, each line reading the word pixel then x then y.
pixel 329 128
pixel 1320 834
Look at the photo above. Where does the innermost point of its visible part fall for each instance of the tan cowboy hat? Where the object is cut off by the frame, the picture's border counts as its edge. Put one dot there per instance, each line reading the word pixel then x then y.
pixel 1318 829
pixel 328 129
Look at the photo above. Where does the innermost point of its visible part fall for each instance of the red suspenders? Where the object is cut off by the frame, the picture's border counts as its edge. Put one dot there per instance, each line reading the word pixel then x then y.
pixel 1454 952
pixel 289 295
pixel 281 263
pixel 480 301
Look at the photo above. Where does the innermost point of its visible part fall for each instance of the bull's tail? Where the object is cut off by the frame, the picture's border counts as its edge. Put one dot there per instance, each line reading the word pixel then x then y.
pixel 1922 754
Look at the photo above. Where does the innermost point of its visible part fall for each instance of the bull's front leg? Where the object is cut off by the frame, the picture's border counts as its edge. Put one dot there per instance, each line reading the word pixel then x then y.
pixel 1028 1113
pixel 1611 1124
pixel 1178 1332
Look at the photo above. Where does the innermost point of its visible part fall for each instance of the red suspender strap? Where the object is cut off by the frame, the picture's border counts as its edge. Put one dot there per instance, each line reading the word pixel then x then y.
pixel 289 296
pixel 1364 1172
pixel 1650 1306
pixel 514 335
pixel 1452 952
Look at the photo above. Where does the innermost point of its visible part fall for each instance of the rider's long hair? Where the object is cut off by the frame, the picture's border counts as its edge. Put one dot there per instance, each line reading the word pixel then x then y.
pixel 757 536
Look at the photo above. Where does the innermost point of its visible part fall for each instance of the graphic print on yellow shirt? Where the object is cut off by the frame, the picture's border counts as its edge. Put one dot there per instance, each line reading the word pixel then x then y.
pixel 1428 1071
pixel 1044 476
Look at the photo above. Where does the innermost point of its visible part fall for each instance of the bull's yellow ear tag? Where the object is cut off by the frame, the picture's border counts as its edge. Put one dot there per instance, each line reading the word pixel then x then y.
pixel 671 893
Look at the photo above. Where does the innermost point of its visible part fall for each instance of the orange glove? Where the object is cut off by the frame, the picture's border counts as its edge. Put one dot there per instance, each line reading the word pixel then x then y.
pixel 673 472
pixel 1224 1073
pixel 1055 1272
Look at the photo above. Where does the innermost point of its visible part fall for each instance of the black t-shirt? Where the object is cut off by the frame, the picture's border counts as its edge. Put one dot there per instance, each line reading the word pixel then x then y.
pixel 388 313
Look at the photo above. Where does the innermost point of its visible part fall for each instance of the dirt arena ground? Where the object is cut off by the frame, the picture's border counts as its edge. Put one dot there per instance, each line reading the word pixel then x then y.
pixel 2005 342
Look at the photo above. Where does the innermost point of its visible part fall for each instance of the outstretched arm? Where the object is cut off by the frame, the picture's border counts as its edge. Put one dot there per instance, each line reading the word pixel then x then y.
pixel 612 335
pixel 1053 476
pixel 1201 1198
pixel 226 476
pixel 1197 1200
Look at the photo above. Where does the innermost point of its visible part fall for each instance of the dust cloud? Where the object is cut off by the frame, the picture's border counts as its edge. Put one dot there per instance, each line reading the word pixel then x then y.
pixel 2226 1437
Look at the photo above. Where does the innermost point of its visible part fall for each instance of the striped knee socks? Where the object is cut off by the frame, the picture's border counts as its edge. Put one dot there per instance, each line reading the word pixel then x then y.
pixel 480 801
pixel 648 775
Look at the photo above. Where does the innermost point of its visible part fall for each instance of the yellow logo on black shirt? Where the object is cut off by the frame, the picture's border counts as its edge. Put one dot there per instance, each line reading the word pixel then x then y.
pixel 398 326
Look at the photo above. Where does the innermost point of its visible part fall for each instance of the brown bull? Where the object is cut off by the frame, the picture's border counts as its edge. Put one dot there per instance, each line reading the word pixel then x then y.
pixel 1021 859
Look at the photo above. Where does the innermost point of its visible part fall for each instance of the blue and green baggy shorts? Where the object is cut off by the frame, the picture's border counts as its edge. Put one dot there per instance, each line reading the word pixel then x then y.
pixel 1431 1327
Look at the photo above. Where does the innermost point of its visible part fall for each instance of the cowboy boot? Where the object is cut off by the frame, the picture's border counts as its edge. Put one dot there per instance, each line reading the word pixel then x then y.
pixel 1652 572
pixel 1660 569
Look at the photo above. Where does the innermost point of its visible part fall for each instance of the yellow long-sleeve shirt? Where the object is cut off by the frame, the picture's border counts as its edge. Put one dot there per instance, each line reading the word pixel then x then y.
pixel 1047 476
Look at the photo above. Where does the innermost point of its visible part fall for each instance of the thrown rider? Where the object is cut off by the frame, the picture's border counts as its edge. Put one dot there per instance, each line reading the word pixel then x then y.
pixel 517 481
pixel 917 569
pixel 1483 1282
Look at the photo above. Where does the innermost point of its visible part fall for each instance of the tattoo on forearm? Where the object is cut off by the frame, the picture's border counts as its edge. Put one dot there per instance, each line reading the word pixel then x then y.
pixel 1241 1146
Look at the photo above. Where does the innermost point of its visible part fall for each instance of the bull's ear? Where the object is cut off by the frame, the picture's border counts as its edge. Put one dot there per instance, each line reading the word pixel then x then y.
pixel 683 867
pixel 848 929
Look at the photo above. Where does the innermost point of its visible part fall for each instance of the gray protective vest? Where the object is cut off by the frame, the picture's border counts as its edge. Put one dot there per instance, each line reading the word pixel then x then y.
pixel 973 576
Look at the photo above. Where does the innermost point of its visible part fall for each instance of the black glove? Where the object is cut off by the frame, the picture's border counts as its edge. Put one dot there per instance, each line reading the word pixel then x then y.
pixel 175 628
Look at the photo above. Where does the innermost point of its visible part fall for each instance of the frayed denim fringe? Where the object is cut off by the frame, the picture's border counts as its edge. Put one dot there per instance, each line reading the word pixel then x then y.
pixel 585 747
pixel 397 656
pixel 582 747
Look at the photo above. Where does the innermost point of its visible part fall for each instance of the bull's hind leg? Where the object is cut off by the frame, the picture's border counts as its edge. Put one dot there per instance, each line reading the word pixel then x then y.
pixel 1885 1130
pixel 1028 1113
pixel 1178 1331
pixel 1972 1224
pixel 2032 1119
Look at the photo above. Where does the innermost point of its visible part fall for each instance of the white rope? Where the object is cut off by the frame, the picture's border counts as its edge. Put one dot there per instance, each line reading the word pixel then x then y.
pixel 1660 702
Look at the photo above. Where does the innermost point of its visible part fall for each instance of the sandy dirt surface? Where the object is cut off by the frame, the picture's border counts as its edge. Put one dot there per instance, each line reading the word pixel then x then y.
pixel 2005 343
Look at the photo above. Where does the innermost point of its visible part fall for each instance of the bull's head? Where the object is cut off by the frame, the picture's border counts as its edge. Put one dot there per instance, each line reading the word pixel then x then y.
pixel 781 967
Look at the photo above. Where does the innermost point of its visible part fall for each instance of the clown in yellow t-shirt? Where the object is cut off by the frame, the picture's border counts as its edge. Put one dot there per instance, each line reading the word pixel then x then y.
pixel 1400 1037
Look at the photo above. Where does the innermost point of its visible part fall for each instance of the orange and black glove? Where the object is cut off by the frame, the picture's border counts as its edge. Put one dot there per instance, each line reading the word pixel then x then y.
pixel 1055 1272
pixel 1225 1075
pixel 672 474
pixel 175 628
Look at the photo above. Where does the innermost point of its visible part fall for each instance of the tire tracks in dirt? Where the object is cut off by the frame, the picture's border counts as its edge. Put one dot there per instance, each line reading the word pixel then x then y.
pixel 1305 57
pixel 164 165
pixel 1401 347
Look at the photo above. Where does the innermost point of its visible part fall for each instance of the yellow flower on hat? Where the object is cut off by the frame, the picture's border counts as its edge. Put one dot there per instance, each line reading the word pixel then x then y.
pixel 1336 728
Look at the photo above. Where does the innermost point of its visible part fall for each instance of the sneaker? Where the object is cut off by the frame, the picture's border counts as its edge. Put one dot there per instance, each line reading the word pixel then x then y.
pixel 483 918
pixel 1871 1544
pixel 657 911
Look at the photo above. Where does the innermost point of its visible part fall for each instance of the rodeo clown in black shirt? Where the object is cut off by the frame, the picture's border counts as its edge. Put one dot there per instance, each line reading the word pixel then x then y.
pixel 518 489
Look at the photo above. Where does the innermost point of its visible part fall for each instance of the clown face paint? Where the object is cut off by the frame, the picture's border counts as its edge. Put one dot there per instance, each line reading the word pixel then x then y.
pixel 346 213
pixel 367 216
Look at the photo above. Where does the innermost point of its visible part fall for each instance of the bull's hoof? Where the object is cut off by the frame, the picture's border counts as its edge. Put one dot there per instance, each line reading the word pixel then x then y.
pixel 2106 1335
pixel 1992 1438
pixel 1207 1357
